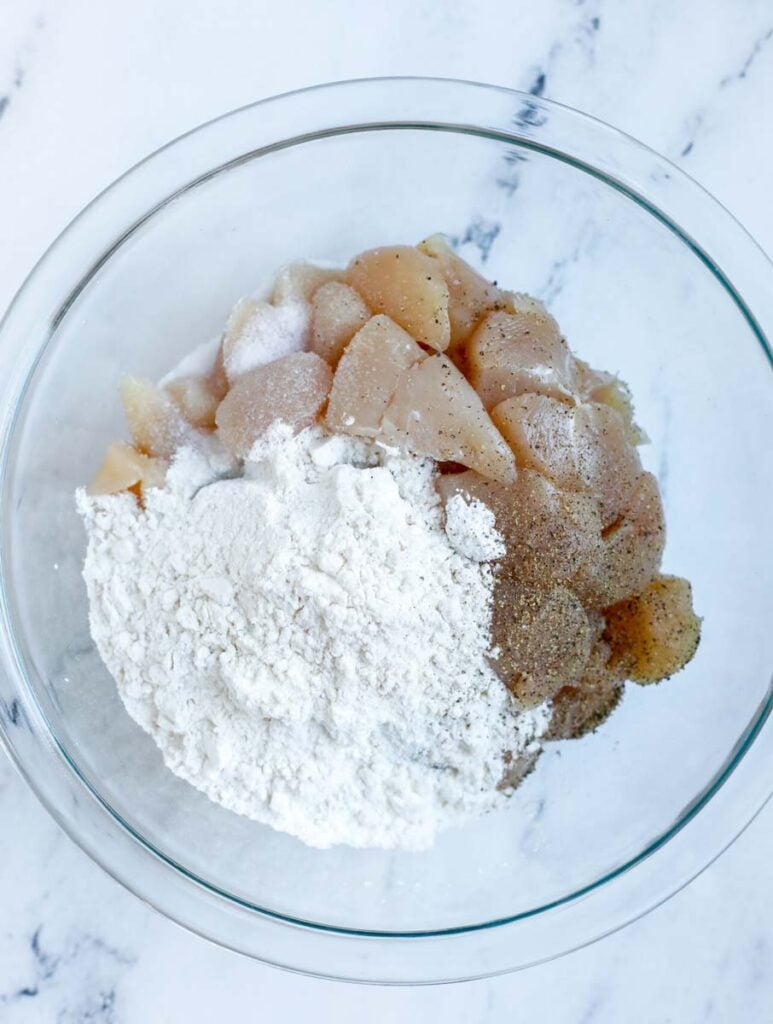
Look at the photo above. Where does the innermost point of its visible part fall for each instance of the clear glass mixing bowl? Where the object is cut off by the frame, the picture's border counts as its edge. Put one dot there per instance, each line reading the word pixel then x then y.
pixel 648 276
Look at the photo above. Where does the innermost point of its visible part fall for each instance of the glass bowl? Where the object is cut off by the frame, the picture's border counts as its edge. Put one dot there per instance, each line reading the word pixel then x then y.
pixel 648 276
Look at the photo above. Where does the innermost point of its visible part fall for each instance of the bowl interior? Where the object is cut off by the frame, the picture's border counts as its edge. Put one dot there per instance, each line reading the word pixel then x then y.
pixel 631 296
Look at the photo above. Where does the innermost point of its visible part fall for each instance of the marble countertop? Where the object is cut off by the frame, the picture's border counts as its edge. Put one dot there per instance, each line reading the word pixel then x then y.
pixel 86 90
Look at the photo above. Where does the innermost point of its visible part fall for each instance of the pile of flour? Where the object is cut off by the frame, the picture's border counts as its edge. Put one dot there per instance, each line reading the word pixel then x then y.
pixel 305 643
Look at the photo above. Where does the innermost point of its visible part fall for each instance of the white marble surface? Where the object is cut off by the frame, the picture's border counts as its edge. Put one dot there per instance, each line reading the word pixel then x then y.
pixel 85 90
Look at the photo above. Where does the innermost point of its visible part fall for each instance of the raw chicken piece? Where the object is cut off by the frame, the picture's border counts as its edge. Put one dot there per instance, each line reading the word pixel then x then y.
pixel 258 333
pixel 156 425
pixel 293 389
pixel 299 281
pixel 367 376
pixel 522 302
pixel 613 464
pixel 218 380
pixel 197 398
pixel 633 546
pixel 581 708
pixel 541 432
pixel 435 412
pixel 600 386
pixel 579 448
pixel 553 537
pixel 511 353
pixel 556 536
pixel 470 296
pixel 543 639
pixel 473 486
pixel 337 313
pixel 408 286
pixel 655 634
pixel 124 468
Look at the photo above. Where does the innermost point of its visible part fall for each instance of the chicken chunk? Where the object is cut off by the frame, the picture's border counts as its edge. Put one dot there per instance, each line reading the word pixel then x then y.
pixel 197 398
pixel 541 432
pixel 337 313
pixel 579 448
pixel 632 546
pixel 300 280
pixel 600 386
pixel 218 380
pixel 470 296
pixel 293 389
pixel 581 708
pixel 125 469
pixel 435 412
pixel 543 639
pixel 367 376
pixel 156 425
pixel 407 286
pixel 258 333
pixel 611 463
pixel 510 353
pixel 656 633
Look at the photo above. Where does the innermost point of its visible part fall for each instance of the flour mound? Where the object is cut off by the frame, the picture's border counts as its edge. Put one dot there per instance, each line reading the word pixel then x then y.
pixel 304 643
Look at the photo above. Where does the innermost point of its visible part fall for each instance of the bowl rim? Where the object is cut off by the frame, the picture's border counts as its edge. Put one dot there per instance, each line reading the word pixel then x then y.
pixel 527 131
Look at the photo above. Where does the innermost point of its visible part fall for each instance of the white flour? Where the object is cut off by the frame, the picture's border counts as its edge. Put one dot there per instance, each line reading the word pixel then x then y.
pixel 471 529
pixel 304 644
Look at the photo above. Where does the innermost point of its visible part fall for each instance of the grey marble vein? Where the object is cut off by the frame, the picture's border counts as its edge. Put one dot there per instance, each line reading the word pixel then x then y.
pixel 538 84
pixel 13 712
pixel 95 963
pixel 481 234
pixel 692 129
pixel 695 122
pixel 591 1011
pixel 580 36
pixel 19 72
pixel 759 46
pixel 561 267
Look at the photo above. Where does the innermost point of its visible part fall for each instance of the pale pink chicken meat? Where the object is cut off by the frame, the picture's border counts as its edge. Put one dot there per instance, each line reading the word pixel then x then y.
pixel 581 707
pixel 600 386
pixel 511 353
pixel 407 286
pixel 293 390
pixel 337 313
pixel 633 545
pixel 299 281
pixel 197 398
pixel 217 377
pixel 654 634
pixel 435 412
pixel 543 639
pixel 542 433
pixel 124 468
pixel 367 376
pixel 580 448
pixel 612 462
pixel 470 296
pixel 156 424
pixel 258 333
